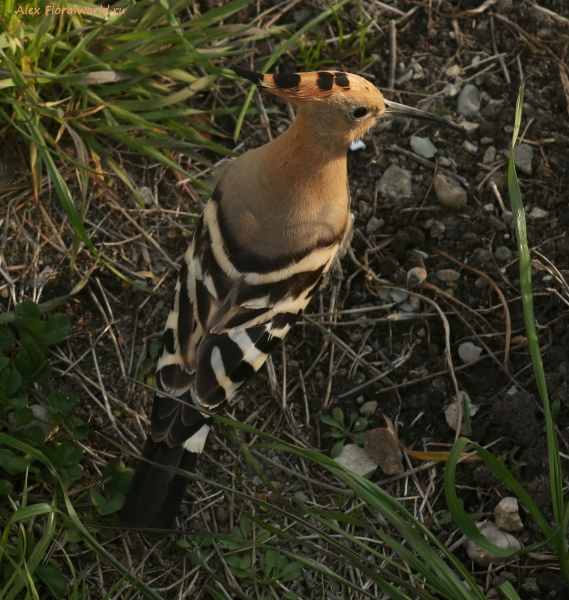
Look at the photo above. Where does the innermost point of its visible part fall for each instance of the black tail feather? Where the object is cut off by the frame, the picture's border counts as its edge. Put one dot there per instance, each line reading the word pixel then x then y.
pixel 155 495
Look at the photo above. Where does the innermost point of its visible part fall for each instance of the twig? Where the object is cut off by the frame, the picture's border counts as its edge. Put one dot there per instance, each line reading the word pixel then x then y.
pixel 392 53
pixel 495 48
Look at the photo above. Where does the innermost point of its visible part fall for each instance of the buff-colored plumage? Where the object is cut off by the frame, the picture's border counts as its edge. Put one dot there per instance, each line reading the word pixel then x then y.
pixel 277 220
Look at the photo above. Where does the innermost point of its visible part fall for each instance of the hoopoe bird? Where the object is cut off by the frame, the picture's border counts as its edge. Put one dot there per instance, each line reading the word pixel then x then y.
pixel 277 220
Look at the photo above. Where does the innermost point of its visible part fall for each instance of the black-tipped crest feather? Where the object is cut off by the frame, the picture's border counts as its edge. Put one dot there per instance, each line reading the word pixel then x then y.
pixel 252 76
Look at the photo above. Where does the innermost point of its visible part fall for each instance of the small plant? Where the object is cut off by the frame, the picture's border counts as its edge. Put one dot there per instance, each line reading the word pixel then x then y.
pixel 355 430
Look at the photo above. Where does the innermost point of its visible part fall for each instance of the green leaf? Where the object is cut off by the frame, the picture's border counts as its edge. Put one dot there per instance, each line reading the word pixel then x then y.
pixel 245 526
pixel 35 433
pixel 360 424
pixel 22 417
pixel 5 487
pixel 18 403
pixel 117 477
pixel 73 536
pixel 69 454
pixel 72 473
pixel 7 338
pixel 27 310
pixel 10 381
pixel 56 328
pixel 53 579
pixel 4 361
pixel 337 449
pixel 104 506
pixel 60 402
pixel 331 421
pixel 338 415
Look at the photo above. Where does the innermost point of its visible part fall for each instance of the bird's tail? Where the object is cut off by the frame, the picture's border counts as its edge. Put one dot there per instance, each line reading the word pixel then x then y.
pixel 155 494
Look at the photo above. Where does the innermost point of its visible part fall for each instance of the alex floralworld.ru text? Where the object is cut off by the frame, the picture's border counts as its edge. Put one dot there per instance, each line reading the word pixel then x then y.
pixel 51 9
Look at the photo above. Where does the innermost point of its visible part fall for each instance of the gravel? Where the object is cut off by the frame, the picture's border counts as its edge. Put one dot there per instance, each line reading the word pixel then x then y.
pixel 395 183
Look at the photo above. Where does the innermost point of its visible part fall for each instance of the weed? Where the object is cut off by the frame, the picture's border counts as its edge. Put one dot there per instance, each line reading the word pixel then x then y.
pixel 354 431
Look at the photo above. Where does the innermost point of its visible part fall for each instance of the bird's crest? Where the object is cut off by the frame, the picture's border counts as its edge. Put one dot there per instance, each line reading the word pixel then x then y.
pixel 315 86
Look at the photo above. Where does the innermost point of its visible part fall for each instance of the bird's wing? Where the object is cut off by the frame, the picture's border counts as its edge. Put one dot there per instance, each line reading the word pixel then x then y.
pixel 223 326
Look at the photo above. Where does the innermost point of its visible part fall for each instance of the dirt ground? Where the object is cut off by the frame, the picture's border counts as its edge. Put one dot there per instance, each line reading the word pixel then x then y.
pixel 416 232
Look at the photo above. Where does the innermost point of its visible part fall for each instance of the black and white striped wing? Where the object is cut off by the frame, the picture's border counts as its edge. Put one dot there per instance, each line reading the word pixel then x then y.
pixel 223 326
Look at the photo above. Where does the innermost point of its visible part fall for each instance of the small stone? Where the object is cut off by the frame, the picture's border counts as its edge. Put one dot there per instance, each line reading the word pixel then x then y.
pixel 469 352
pixel 469 126
pixel 415 276
pixel 537 213
pixel 489 155
pixel 374 224
pixel 507 515
pixel 395 183
pixel 145 194
pixel 451 412
pixel 368 408
pixel 360 400
pixel 486 140
pixel 481 282
pixel 415 303
pixel 355 459
pixel 448 275
pixel 489 207
pixel 470 147
pixel 423 146
pixel 508 129
pixel 496 223
pixel 256 481
pixel 437 229
pixel 449 192
pixel 497 537
pixel 503 253
pixel 221 515
pixel 406 307
pixel 523 157
pixel 398 296
pixel 482 255
pixel 453 71
pixel 445 162
pixel 468 100
pixel 382 448
pixel 301 497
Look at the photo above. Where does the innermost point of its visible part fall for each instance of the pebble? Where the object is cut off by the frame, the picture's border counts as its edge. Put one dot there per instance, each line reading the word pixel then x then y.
pixel 489 155
pixel 489 207
pixel 453 71
pixel 497 537
pixel 437 229
pixel 470 147
pixel 448 275
pixel 469 126
pixel 374 224
pixel 221 514
pixel 481 282
pixel 406 307
pixel 301 497
pixel 503 253
pixel 445 162
pixel 468 100
pixel 256 481
pixel 423 146
pixel 468 352
pixel 523 157
pixel 415 276
pixel 483 255
pixel 452 412
pixel 368 408
pixel 497 224
pixel 508 129
pixel 398 296
pixel 395 183
pixel 449 192
pixel 507 515
pixel 537 213
pixel 415 303
pixel 145 194
pixel 382 448
pixel 486 140
pixel 355 459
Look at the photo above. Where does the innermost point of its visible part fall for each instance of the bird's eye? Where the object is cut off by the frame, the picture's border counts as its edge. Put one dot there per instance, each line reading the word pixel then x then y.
pixel 360 112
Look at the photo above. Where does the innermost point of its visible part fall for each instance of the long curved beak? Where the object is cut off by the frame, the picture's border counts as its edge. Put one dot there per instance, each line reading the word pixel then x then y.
pixel 400 110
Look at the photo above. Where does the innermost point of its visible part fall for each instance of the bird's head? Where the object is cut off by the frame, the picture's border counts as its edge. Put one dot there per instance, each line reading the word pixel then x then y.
pixel 342 105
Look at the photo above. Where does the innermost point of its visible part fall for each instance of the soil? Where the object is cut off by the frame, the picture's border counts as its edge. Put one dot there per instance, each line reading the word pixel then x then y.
pixel 415 394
